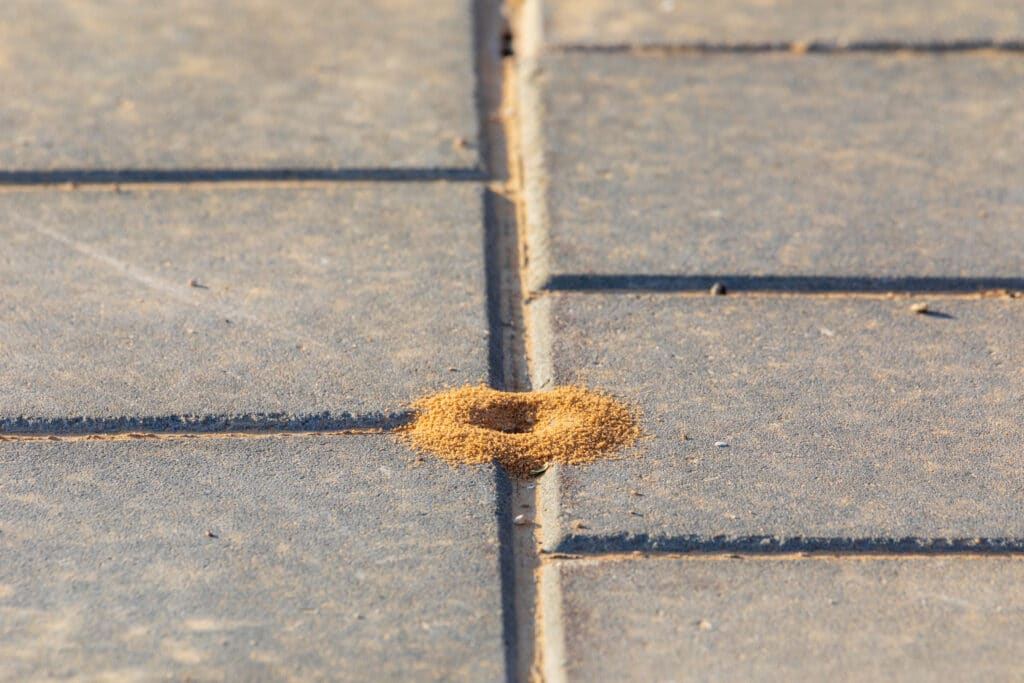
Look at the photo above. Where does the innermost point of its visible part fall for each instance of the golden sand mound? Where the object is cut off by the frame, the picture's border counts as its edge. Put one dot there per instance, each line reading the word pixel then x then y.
pixel 522 431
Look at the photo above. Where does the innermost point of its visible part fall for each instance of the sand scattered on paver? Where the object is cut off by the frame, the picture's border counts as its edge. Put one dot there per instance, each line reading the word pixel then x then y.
pixel 524 431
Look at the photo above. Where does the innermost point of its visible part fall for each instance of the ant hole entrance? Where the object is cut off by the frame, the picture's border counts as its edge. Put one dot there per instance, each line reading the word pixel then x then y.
pixel 508 417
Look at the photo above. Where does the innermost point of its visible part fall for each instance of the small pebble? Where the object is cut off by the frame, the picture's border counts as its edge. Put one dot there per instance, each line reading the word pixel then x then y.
pixel 721 444
pixel 197 284
pixel 520 520
pixel 920 307
pixel 704 625
pixel 718 289
pixel 634 492
pixel 210 534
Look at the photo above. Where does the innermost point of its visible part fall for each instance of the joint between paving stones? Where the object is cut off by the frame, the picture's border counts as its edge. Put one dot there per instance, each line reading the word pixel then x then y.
pixel 551 559
pixel 795 47
pixel 644 544
pixel 201 425
pixel 802 285
pixel 156 178
pixel 517 345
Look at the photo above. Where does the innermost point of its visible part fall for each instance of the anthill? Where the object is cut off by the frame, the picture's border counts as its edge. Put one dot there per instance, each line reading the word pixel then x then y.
pixel 523 431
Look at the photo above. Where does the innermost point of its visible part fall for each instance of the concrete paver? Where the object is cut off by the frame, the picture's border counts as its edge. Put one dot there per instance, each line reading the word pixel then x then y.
pixel 236 84
pixel 331 558
pixel 849 423
pixel 851 167
pixel 335 302
pixel 755 22
pixel 873 619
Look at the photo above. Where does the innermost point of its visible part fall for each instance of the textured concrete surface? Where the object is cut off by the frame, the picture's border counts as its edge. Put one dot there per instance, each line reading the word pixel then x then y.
pixel 344 299
pixel 331 558
pixel 755 22
pixel 850 166
pixel 101 84
pixel 850 423
pixel 871 619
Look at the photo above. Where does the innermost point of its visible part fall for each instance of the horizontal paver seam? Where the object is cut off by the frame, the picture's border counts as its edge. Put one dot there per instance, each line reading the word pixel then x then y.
pixel 798 47
pixel 778 284
pixel 549 558
pixel 201 424
pixel 1013 295
pixel 769 544
pixel 190 176
pixel 157 436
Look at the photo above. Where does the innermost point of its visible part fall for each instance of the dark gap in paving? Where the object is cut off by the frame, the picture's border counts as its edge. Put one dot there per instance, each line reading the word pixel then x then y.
pixel 491 40
pixel 758 544
pixel 173 424
pixel 503 511
pixel 803 284
pixel 825 47
pixel 223 175
pixel 493 248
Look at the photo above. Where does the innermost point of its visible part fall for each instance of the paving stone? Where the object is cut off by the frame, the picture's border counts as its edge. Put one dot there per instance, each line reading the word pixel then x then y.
pixel 868 619
pixel 337 302
pixel 861 166
pixel 235 84
pixel 849 423
pixel 754 22
pixel 331 558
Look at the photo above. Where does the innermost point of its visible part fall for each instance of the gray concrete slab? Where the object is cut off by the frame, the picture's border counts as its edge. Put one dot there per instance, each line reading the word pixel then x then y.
pixel 871 619
pixel 333 303
pixel 331 558
pixel 236 84
pixel 849 423
pixel 856 166
pixel 755 22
